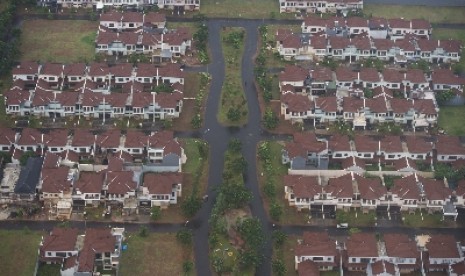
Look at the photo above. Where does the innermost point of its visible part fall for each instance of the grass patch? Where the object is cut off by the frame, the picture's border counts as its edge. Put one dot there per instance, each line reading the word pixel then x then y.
pixel 158 252
pixel 49 270
pixel 432 14
pixel 233 106
pixel 243 9
pixel 356 218
pixel 18 252
pixel 286 253
pixel 429 220
pixel 64 41
pixel 450 119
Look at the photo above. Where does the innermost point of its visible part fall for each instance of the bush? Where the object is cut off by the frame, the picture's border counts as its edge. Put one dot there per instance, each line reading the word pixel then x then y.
pixel 184 236
pixel 235 145
pixel 187 267
pixel 279 238
pixel 191 205
pixel 143 231
pixel 276 211
pixel 279 268
pixel 270 119
pixel 155 213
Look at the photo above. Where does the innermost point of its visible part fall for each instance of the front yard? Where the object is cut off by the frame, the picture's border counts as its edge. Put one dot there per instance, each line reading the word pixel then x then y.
pixel 242 9
pixel 451 119
pixel 18 252
pixel 157 254
pixel 64 41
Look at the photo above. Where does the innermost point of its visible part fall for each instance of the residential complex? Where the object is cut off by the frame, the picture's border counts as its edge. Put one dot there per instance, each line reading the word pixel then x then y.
pixel 319 6
pixel 177 5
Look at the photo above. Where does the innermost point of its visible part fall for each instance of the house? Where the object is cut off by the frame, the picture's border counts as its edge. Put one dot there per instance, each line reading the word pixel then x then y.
pixel 382 268
pixel 444 79
pixel 135 142
pixel 296 107
pixel 436 195
pixel 402 251
pixel 305 152
pixel 353 111
pixel 318 248
pixel 418 148
pixel 295 76
pixel 301 191
pixel 314 6
pixel 56 188
pixel 362 249
pixel 60 244
pixel 161 189
pixel 52 73
pixel 27 71
pixel 155 20
pixel 119 185
pixel 407 193
pixel 28 180
pixel 415 79
pixel 385 49
pixel 345 77
pixel 314 24
pixel 7 139
pixel 357 25
pixel 353 164
pixel 164 152
pixel 372 192
pixel 31 139
pixel 83 143
pixel 398 28
pixel 369 78
pixel 177 41
pixel 320 79
pixel 17 102
pixel 376 109
pixel 88 189
pixel 392 79
pixel 337 47
pixel 443 250
pixel 56 141
pixel 326 109
pixel 366 147
pixel 288 44
pixel 403 111
pixel 341 190
pixel 74 73
pixel 108 141
pixel 339 147
pixel 421 28
pixel 426 113
pixel 378 28
pixel 390 147
pixel 449 148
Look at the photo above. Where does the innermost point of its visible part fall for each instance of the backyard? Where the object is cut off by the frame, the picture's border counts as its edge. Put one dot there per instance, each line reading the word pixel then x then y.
pixel 58 41
pixel 18 252
pixel 451 119
pixel 158 253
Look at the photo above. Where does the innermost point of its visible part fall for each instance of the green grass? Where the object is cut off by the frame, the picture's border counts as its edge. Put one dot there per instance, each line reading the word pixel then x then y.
pixel 159 253
pixel 49 270
pixel 285 253
pixel 414 220
pixel 58 40
pixel 451 119
pixel 443 33
pixel 18 252
pixel 432 14
pixel 357 218
pixel 243 9
pixel 232 93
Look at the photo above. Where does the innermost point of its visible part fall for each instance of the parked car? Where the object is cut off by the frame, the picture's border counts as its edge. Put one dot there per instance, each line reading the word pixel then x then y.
pixel 342 225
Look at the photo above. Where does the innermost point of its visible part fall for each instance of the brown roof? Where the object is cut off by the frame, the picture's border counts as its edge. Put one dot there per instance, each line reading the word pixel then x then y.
pixel 442 246
pixel 391 144
pixel 56 137
pixel 293 73
pixel 400 106
pixel 376 105
pixel 446 76
pixel 146 70
pixel 97 240
pixel 392 75
pixel 75 69
pixel 16 97
pixel 117 99
pixel 82 138
pixel 355 21
pixel 303 186
pixel 154 17
pixel 55 180
pixel 42 97
pixel 69 262
pixel 415 76
pixel 26 68
pixel 142 99
pixel 353 161
pixel 171 70
pixel 109 139
pixel 362 245
pixel 168 100
pixel 30 136
pixel 111 16
pixel 450 145
pixel 361 42
pixel 121 70
pixel 377 23
pixel 420 24
pixel 351 104
pixel 435 189
pixel 337 42
pixel 405 44
pixel 404 162
pixel 400 246
pixel 425 106
pixel 60 239
pixel 365 144
pixel 137 17
pixel 399 23
pixel 327 104
pixel 90 182
pixel 304 143
pixel 99 70
pixel 369 74
pixel 370 188
pixel 339 143
pixel 120 182
pixel 380 91
pixel 296 102
pixel 162 183
pixel 451 45
pixel 458 268
pixel 288 39
pixel 416 144
pixel 460 191
pixel 381 267
pixel 165 140
pixel 427 45
pixel 340 187
pixel 316 244
pixel 318 42
pixel 51 160
pixel 308 268
pixel 383 44
pixel 177 37
pixel 7 136
pixel 115 164
pixel 55 69
pixel 135 139
pixel 321 74
pixel 346 74
pixel 406 188
pixel 313 20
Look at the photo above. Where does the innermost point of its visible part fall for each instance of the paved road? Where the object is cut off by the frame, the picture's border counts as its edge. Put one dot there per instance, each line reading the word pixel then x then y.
pixel 434 3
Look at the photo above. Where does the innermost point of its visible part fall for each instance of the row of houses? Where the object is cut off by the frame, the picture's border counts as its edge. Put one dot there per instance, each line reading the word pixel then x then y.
pixel 320 6
pixel 132 21
pixel 177 5
pixel 96 91
pixel 377 28
pixel 82 254
pixel 410 48
pixel 390 255
pixel 308 151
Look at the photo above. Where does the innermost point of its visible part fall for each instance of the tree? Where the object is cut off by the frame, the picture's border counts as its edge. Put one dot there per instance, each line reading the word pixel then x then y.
pixel 279 238
pixel 270 119
pixel 269 189
pixel 252 233
pixel 250 258
pixel 342 217
pixel 196 121
pixel 191 205
pixel 234 114
pixel 276 210
pixel 184 236
pixel 368 93
pixel 235 195
pixel 187 267
pixel 239 165
pixel 235 145
pixel 155 213
pixel 444 96
pixel 279 268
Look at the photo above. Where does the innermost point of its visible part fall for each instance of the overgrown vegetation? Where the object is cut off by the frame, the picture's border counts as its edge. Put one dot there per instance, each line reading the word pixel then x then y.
pixel 9 37
pixel 200 38
pixel 261 75
pixel 197 120
pixel 233 106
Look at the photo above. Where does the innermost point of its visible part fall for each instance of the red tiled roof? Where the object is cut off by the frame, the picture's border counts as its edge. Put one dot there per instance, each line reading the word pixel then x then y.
pixel 55 180
pixel 399 23
pixel 146 70
pixel 316 244
pixel 318 42
pixel 293 73
pixel 327 104
pixel 55 69
pixel 346 74
pixel 361 42
pixel 56 138
pixel 165 140
pixel 417 144
pixel 362 245
pixel 30 136
pixel 390 144
pixel 303 186
pixel 355 21
pixel 406 188
pixel 460 191
pixel 161 183
pixel 99 70
pixel 304 143
pixel 339 143
pixel 451 45
pixel 121 70
pixel 435 189
pixel 136 17
pixel 135 139
pixel 383 268
pixel 26 68
pixel 82 138
pixel 401 106
pixel 75 69
pixel 308 268
pixel 370 188
pixel 171 70
pixel 376 105
pixel 365 144
pixel 97 240
pixel 400 246
pixel 60 239
pixel 154 17
pixel 90 182
pixel 420 24
pixel 424 106
pixel 415 76
pixel 109 139
pixel 427 45
pixel 442 246
pixel 120 182
pixel 393 76
pixel 369 75
pixel 321 74
pixel 111 16
pixel 351 104
pixel 337 42
pixel 7 136
pixel 450 145
pixel 445 76
pixel 340 187
pixel 168 100
pixel 115 164
pixel 296 102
